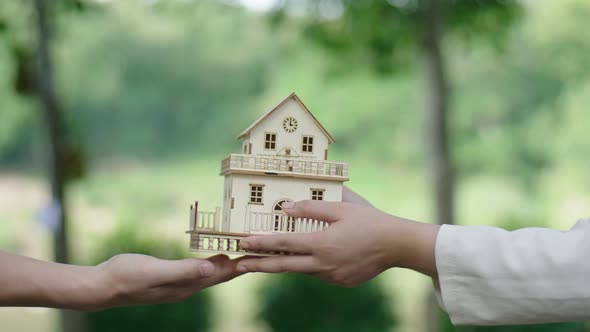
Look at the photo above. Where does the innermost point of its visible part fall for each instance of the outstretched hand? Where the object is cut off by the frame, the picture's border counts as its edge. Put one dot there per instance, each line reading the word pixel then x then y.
pixel 140 279
pixel 360 243
pixel 125 279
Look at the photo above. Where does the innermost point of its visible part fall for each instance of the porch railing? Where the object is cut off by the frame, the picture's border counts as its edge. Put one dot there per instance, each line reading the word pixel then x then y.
pixel 255 222
pixel 284 164
pixel 203 220
pixel 262 222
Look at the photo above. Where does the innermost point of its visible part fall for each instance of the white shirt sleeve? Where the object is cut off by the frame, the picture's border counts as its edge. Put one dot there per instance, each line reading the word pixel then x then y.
pixel 489 276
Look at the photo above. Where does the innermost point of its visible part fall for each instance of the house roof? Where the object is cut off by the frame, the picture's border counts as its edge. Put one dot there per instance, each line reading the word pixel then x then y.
pixel 294 97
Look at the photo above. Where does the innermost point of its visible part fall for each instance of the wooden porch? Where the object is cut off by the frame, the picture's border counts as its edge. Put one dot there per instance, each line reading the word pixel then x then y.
pixel 254 222
pixel 207 235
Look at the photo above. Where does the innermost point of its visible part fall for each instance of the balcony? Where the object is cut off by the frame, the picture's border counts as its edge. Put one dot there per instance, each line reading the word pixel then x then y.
pixel 285 166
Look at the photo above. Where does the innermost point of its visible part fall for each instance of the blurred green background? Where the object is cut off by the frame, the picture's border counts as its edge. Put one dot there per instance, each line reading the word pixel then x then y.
pixel 152 94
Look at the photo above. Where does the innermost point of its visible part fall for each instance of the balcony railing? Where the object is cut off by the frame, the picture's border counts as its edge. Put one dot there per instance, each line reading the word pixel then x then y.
pixel 286 165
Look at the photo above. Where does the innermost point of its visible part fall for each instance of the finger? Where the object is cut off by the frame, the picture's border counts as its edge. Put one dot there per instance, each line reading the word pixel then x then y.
pixel 172 271
pixel 241 258
pixel 295 243
pixel 302 264
pixel 218 259
pixel 226 269
pixel 317 210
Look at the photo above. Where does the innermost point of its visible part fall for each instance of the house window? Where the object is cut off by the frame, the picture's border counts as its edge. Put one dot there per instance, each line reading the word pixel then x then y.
pixel 307 144
pixel 270 141
pixel 317 194
pixel 256 193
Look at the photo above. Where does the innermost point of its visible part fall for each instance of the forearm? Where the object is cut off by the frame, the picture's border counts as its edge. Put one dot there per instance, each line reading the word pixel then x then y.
pixel 29 282
pixel 417 240
pixel 413 246
pixel 418 247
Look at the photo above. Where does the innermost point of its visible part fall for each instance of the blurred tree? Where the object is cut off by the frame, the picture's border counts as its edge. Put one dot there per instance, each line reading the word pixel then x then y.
pixel 57 137
pixel 16 114
pixel 294 303
pixel 62 156
pixel 175 80
pixel 55 126
pixel 191 315
pixel 387 32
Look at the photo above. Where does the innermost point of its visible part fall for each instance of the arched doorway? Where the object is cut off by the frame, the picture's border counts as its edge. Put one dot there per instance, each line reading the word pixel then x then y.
pixel 278 212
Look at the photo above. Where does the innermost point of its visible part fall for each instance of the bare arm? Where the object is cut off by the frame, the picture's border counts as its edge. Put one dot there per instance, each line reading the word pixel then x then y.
pixel 123 280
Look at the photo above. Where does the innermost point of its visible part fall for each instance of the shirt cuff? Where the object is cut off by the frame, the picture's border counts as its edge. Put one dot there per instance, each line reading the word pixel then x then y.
pixel 448 264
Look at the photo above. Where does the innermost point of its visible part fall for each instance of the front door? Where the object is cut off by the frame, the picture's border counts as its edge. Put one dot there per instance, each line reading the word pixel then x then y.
pixel 278 213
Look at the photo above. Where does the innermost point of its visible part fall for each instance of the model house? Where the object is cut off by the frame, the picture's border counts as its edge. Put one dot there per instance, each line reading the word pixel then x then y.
pixel 283 158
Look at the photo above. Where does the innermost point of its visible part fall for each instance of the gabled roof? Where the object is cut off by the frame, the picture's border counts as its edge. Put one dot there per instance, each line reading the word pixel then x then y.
pixel 294 97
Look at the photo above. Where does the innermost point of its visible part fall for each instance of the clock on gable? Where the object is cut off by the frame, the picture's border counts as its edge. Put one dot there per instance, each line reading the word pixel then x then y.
pixel 290 124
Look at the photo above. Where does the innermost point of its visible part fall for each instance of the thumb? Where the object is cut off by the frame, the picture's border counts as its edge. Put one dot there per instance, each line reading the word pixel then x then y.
pixel 317 210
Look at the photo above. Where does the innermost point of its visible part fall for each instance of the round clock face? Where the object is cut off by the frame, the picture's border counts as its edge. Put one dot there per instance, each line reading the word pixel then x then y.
pixel 290 124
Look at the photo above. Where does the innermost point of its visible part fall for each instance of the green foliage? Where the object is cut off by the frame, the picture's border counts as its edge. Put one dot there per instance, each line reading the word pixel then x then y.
pixel 193 314
pixel 180 83
pixel 177 77
pixel 487 20
pixel 169 87
pixel 136 80
pixel 16 118
pixel 385 33
pixel 446 326
pixel 293 303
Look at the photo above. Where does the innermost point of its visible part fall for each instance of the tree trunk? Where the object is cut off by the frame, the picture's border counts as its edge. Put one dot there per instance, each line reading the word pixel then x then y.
pixel 56 130
pixel 436 131
pixel 70 321
pixel 436 115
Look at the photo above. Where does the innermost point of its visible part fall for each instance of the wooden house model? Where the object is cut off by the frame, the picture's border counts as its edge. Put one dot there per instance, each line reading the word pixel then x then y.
pixel 283 158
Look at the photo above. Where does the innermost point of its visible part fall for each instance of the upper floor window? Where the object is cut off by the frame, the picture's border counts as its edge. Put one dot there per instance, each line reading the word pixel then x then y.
pixel 270 141
pixel 317 194
pixel 307 144
pixel 256 193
